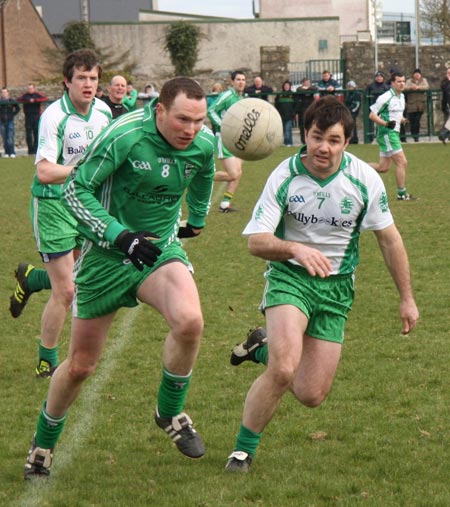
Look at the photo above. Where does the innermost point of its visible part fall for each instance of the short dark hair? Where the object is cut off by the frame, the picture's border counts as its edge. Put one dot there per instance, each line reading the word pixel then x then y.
pixel 85 59
pixel 235 73
pixel 326 112
pixel 172 88
pixel 396 74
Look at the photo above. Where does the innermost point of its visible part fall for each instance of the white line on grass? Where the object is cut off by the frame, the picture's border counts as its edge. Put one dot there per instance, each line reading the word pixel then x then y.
pixel 76 434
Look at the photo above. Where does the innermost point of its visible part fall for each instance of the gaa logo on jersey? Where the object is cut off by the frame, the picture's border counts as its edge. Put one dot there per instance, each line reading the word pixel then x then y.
pixel 141 164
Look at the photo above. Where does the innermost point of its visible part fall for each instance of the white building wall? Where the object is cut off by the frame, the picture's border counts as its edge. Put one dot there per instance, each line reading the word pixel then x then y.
pixel 226 46
pixel 353 14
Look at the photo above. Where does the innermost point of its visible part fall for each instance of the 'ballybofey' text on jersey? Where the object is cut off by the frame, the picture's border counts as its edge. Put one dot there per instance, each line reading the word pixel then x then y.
pixel 324 214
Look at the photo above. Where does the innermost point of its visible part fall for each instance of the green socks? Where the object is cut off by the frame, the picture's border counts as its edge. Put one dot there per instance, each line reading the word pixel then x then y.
pixel 172 393
pixel 49 429
pixel 49 355
pixel 247 441
pixel 262 354
pixel 38 279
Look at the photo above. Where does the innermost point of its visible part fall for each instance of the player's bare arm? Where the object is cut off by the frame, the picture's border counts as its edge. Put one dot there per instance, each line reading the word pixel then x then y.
pixel 271 248
pixel 396 259
pixel 50 173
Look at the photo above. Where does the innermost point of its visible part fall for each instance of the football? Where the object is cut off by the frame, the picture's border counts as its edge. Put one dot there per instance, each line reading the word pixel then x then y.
pixel 251 129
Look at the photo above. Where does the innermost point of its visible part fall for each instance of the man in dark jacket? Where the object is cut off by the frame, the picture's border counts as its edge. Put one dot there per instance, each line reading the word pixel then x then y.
pixel 373 91
pixel 8 110
pixel 258 89
pixel 353 102
pixel 32 109
pixel 285 104
pixel 444 133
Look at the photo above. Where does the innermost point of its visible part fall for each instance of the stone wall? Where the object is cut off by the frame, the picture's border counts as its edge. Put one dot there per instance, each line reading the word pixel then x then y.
pixel 359 60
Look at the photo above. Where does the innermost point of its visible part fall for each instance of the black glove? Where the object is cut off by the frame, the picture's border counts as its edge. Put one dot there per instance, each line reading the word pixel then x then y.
pixel 187 231
pixel 137 246
pixel 390 124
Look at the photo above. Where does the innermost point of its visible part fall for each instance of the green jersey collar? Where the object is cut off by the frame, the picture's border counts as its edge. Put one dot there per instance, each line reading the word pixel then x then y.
pixel 149 120
pixel 297 167
pixel 69 108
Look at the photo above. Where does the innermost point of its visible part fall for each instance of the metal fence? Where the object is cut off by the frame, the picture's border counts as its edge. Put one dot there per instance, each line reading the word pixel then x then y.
pixel 431 122
pixel 313 70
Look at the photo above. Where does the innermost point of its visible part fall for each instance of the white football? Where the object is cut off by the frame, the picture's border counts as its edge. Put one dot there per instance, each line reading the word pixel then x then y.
pixel 251 129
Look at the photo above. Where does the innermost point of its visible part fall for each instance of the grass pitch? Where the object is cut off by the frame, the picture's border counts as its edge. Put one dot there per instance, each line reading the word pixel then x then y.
pixel 380 439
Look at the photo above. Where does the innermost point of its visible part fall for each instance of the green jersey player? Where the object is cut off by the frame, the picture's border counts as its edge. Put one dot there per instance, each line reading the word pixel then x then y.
pixel 126 195
pixel 306 224
pixel 66 129
pixel 387 113
pixel 232 166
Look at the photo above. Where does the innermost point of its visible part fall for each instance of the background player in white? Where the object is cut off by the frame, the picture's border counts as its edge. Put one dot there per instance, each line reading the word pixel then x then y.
pixel 387 113
pixel 306 224
pixel 232 165
pixel 133 181
pixel 66 129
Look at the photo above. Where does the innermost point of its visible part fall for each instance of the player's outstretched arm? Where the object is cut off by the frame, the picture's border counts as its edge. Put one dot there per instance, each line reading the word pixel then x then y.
pixel 396 259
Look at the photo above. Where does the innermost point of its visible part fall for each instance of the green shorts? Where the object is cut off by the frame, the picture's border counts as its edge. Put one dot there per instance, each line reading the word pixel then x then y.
pixel 106 280
pixel 325 301
pixel 221 151
pixel 389 143
pixel 54 228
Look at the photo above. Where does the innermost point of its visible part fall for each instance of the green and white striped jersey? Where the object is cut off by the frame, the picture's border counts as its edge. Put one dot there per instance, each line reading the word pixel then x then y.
pixel 324 214
pixel 64 136
pixel 389 106
pixel 221 105
pixel 131 178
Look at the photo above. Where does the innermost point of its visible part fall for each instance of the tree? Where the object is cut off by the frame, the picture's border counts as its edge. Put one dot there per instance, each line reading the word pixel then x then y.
pixel 76 35
pixel 182 39
pixel 435 16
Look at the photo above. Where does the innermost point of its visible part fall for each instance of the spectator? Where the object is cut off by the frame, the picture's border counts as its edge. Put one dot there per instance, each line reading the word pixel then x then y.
pixel 149 93
pixel 387 113
pixel 444 133
pixel 215 90
pixel 327 84
pixel 117 90
pixel 9 108
pixel 232 165
pixel 416 102
pixel 373 91
pixel 130 99
pixel 258 89
pixel 32 109
pixel 100 93
pixel 353 102
pixel 306 94
pixel 285 104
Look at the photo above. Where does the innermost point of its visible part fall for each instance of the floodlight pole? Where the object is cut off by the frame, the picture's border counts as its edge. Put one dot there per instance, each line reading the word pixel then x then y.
pixel 3 42
pixel 418 33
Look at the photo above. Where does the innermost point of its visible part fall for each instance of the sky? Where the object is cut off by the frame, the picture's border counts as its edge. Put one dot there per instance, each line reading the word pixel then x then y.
pixel 244 8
